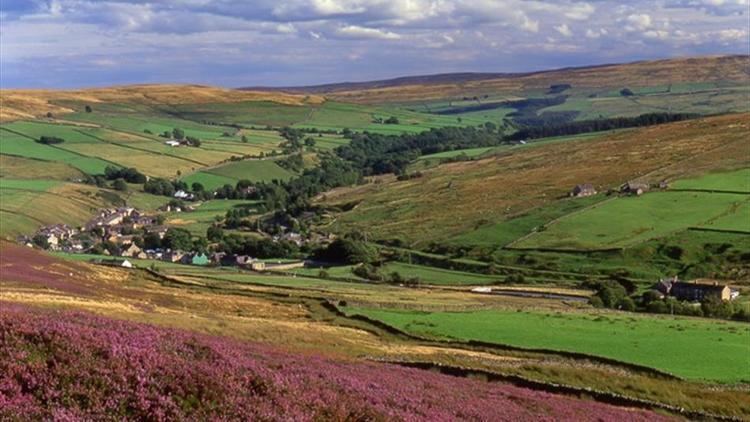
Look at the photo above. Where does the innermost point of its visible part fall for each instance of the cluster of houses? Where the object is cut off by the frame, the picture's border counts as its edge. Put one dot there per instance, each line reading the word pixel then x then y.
pixel 118 225
pixel 633 188
pixel 695 290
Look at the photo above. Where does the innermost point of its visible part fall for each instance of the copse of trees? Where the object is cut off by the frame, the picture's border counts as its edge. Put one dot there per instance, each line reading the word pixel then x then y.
pixel 50 140
pixel 130 175
pixel 586 126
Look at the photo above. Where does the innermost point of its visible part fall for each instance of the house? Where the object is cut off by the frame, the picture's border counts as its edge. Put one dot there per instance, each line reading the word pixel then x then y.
pixel 199 259
pixel 634 188
pixel 125 263
pixel 172 143
pixel 243 260
pixel 133 251
pixel 181 194
pixel 258 266
pixel 586 189
pixel 161 231
pixel 696 290
pixel 173 256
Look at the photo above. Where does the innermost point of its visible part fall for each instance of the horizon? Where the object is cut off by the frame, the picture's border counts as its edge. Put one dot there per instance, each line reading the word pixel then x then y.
pixel 314 42
pixel 386 79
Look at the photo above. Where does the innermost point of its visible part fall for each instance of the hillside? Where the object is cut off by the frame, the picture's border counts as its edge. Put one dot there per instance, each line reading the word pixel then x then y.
pixel 647 73
pixel 30 103
pixel 456 198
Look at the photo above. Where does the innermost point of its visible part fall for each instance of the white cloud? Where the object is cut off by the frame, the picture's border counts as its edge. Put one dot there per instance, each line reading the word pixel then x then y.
pixel 564 30
pixel 638 22
pixel 360 32
pixel 596 33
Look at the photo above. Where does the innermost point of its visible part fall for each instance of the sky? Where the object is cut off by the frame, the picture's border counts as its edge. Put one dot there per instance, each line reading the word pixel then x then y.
pixel 79 43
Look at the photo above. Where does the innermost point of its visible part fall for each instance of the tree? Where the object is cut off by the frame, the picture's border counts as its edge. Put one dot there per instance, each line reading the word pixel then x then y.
pixel 178 134
pixel 244 139
pixel 178 239
pixel 626 92
pixel 309 142
pixel 198 187
pixel 348 250
pixel 393 120
pixel 88 109
pixel 214 233
pixel 50 140
pixel 40 241
pixel 120 185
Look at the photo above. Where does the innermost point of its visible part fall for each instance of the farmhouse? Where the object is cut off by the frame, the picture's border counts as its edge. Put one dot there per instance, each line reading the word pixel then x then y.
pixel 634 188
pixel 696 290
pixel 172 143
pixel 586 189
pixel 173 256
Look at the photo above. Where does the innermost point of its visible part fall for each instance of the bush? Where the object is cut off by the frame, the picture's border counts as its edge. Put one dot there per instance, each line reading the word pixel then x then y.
pixel 50 140
pixel 626 304
pixel 120 185
pixel 626 92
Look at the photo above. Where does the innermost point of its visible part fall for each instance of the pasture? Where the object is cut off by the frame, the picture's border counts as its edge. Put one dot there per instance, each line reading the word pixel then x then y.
pixel 626 221
pixel 44 203
pixel 733 181
pixel 27 168
pixel 206 214
pixel 693 348
pixel 438 276
pixel 208 180
pixel 253 170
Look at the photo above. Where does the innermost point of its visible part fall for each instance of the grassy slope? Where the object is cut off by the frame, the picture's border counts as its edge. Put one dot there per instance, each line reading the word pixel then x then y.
pixel 691 348
pixel 514 182
pixel 626 221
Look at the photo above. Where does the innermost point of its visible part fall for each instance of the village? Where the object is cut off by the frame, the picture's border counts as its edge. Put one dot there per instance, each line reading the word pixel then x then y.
pixel 117 233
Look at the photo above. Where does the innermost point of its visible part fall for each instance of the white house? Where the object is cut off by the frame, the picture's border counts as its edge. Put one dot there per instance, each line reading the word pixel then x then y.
pixel 172 143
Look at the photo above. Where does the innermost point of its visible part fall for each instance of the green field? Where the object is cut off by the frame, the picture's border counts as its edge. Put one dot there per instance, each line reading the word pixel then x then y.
pixel 208 180
pixel 438 276
pixel 231 173
pixel 33 185
pixel 14 144
pixel 690 348
pixel 734 181
pixel 626 221
pixel 206 214
pixel 253 170
pixel 505 232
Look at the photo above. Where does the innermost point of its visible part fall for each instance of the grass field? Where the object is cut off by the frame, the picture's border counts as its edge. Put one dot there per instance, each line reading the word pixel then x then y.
pixel 46 203
pixel 27 168
pixel 438 276
pixel 198 221
pixel 496 188
pixel 735 181
pixel 31 185
pixel 690 348
pixel 12 143
pixel 630 220
pixel 253 170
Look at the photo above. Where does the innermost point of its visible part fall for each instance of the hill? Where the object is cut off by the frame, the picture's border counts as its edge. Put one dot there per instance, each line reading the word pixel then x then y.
pixel 457 198
pixel 30 103
pixel 645 73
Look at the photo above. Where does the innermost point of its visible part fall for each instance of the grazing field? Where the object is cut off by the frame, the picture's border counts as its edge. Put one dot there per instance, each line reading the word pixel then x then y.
pixel 72 204
pixel 27 168
pixel 438 276
pixel 627 221
pixel 29 185
pixel 253 170
pixel 14 144
pixel 735 181
pixel 469 152
pixel 206 214
pixel 208 180
pixel 687 347
pixel 498 188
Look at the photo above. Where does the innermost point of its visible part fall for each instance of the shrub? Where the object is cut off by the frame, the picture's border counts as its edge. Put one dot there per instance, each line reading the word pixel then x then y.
pixel 50 140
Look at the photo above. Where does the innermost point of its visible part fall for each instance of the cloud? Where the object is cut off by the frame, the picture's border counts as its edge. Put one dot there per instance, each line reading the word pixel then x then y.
pixel 638 22
pixel 564 30
pixel 283 42
pixel 359 32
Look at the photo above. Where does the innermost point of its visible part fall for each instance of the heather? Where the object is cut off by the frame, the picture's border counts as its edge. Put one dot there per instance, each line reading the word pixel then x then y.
pixel 67 365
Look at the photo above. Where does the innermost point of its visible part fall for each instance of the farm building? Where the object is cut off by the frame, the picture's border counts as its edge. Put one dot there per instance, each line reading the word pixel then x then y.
pixel 586 189
pixel 634 188
pixel 696 290
pixel 172 143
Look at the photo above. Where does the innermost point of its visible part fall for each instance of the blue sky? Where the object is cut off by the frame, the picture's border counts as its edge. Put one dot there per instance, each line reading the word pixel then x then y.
pixel 76 43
